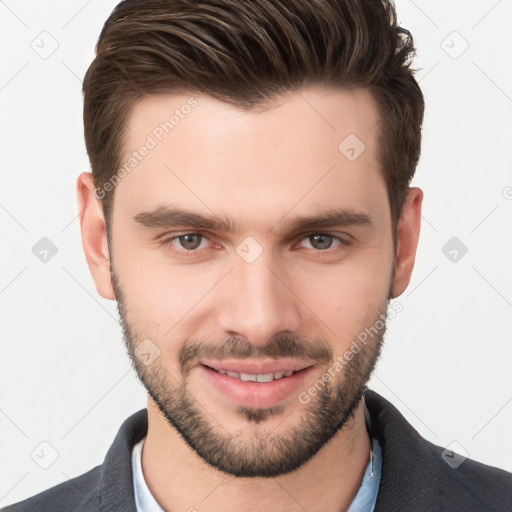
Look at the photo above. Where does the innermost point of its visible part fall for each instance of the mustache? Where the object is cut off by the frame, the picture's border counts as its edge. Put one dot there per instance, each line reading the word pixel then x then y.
pixel 317 350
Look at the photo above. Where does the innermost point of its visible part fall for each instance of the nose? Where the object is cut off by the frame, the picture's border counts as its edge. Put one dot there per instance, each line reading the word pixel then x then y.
pixel 258 302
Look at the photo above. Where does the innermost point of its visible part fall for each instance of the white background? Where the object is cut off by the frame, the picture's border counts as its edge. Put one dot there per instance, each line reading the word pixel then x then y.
pixel 65 378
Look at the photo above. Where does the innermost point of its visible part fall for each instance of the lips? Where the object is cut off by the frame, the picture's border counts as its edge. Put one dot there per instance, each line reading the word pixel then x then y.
pixel 256 384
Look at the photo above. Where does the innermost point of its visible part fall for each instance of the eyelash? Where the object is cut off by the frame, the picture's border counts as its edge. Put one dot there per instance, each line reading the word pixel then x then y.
pixel 167 243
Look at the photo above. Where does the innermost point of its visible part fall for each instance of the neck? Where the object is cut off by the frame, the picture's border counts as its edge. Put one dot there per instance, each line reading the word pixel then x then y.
pixel 180 480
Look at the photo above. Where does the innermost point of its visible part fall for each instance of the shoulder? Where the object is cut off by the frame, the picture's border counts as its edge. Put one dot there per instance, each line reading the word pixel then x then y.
pixel 420 475
pixel 460 479
pixel 108 485
pixel 450 481
pixel 78 494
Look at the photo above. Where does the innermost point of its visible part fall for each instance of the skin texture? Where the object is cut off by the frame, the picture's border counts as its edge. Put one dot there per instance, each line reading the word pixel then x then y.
pixel 260 170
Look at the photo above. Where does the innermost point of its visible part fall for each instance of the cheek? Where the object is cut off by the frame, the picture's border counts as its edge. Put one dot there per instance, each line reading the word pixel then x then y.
pixel 162 299
pixel 162 305
pixel 347 298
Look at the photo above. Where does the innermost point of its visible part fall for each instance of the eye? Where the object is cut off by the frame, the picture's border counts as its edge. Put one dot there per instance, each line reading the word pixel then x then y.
pixel 324 241
pixel 189 242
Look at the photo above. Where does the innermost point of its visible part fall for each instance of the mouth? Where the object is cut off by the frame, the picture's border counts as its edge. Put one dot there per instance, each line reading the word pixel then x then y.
pixel 255 377
pixel 258 367
pixel 254 384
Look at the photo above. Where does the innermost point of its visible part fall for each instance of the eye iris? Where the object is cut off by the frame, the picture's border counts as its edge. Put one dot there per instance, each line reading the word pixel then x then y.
pixel 322 239
pixel 186 242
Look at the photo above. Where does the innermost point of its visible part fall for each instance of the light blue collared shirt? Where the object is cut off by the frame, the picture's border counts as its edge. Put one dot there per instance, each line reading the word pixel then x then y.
pixel 366 497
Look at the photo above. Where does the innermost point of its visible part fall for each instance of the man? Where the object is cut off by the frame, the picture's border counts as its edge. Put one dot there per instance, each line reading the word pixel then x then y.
pixel 250 211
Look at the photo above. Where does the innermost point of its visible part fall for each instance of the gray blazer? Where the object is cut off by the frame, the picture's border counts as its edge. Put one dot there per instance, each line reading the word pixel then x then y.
pixel 416 474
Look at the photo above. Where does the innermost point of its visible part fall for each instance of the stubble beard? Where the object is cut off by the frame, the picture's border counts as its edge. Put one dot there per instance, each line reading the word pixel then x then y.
pixel 270 454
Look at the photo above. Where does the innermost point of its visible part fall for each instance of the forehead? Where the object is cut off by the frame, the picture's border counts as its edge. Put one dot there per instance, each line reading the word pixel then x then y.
pixel 310 147
pixel 313 112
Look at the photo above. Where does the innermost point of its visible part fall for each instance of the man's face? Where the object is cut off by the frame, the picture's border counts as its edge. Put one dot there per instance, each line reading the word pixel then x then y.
pixel 268 297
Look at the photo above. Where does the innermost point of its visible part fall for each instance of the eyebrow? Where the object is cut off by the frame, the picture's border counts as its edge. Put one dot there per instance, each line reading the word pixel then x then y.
pixel 165 217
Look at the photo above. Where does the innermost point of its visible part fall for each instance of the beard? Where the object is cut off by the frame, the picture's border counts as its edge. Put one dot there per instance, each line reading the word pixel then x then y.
pixel 270 454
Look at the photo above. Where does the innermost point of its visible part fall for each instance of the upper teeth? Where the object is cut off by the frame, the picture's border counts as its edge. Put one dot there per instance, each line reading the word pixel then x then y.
pixel 260 377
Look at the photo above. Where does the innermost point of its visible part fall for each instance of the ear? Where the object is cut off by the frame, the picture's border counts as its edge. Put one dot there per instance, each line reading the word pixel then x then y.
pixel 94 235
pixel 408 233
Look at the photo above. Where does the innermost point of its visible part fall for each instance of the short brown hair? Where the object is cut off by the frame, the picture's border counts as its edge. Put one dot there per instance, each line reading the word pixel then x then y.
pixel 246 53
